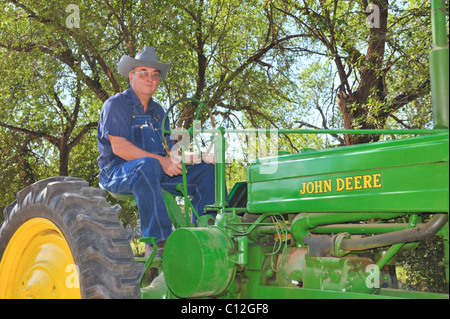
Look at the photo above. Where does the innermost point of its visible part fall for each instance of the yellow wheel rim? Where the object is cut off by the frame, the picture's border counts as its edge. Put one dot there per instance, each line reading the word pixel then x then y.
pixel 38 263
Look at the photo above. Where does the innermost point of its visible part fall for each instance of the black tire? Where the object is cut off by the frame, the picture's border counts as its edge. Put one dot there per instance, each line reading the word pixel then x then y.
pixel 99 244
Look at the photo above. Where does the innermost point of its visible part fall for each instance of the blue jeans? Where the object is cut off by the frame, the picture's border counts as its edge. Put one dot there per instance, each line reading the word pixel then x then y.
pixel 144 178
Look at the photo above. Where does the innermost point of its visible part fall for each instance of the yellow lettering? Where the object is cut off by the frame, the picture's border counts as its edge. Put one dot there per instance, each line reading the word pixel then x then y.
pixel 376 180
pixel 318 185
pixel 367 180
pixel 358 182
pixel 339 184
pixel 348 183
pixel 302 191
pixel 309 189
pixel 327 186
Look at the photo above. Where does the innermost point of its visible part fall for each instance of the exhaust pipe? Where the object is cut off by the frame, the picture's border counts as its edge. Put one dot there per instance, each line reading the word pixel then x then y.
pixel 320 246
pixel 402 236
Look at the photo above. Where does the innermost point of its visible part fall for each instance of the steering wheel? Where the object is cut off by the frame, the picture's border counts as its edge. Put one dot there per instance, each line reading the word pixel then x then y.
pixel 190 130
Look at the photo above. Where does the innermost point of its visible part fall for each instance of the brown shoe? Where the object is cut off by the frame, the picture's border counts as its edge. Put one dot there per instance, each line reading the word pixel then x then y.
pixel 159 249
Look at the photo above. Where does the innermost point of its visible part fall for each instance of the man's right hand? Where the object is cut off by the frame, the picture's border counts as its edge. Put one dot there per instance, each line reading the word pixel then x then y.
pixel 128 151
pixel 170 167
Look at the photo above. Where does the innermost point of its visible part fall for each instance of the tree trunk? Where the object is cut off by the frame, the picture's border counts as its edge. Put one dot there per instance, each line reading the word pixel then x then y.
pixel 356 112
pixel 64 161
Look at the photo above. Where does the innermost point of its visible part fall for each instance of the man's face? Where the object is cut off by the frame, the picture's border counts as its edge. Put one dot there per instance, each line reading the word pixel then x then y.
pixel 144 80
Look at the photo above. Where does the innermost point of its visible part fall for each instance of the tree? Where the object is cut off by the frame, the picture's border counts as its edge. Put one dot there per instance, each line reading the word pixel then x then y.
pixel 217 48
pixel 423 268
pixel 59 64
pixel 252 62
pixel 379 51
pixel 40 99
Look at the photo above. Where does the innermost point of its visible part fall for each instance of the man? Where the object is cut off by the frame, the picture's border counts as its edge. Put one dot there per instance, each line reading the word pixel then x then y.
pixel 132 156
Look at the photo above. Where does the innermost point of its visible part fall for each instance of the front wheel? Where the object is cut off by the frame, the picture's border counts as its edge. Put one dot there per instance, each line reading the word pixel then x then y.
pixel 61 239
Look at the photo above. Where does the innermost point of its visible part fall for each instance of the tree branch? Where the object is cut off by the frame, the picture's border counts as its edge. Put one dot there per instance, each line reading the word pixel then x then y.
pixel 79 137
pixel 35 134
pixel 75 36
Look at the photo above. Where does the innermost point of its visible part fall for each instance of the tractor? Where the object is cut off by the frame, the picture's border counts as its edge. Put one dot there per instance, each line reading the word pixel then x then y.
pixel 318 224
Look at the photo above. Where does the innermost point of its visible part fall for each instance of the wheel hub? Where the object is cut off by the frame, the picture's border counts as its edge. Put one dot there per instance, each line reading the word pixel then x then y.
pixel 38 263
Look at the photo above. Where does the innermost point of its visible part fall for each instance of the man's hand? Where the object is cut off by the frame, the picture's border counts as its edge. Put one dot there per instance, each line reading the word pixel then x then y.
pixel 170 167
pixel 128 151
pixel 208 158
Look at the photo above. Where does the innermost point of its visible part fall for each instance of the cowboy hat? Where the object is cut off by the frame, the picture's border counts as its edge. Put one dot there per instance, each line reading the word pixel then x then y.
pixel 145 57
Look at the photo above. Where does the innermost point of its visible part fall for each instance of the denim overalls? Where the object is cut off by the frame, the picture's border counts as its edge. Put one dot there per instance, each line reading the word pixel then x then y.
pixel 146 132
pixel 144 177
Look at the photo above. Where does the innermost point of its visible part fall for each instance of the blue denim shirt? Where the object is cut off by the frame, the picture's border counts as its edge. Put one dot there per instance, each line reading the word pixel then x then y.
pixel 116 120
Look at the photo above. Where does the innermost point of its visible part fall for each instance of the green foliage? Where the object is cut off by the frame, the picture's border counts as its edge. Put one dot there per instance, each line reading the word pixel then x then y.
pixel 423 268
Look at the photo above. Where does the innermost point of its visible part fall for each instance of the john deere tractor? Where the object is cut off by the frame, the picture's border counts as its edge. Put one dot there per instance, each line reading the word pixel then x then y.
pixel 316 224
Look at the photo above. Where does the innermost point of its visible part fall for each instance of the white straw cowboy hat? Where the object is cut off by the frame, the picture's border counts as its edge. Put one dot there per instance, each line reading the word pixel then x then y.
pixel 145 57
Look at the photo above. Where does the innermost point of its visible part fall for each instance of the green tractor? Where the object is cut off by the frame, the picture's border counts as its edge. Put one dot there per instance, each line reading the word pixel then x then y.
pixel 316 224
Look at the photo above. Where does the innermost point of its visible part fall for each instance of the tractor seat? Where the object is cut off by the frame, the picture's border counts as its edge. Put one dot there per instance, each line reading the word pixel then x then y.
pixel 121 197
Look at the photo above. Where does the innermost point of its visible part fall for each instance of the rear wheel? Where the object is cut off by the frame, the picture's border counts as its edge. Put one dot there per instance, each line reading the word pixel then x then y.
pixel 61 239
